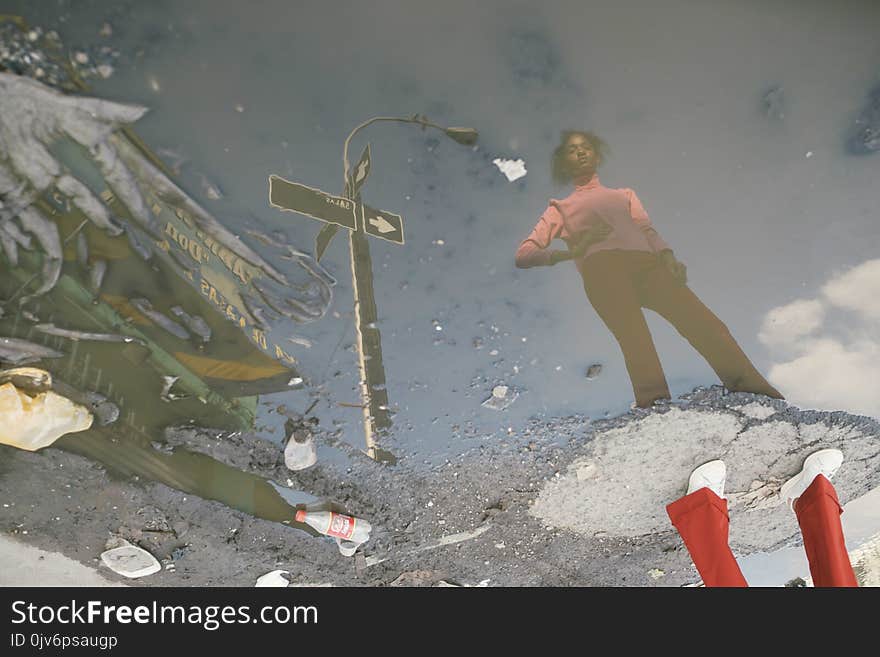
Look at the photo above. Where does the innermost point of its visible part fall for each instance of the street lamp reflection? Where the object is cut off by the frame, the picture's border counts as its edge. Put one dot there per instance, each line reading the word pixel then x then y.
pixel 464 136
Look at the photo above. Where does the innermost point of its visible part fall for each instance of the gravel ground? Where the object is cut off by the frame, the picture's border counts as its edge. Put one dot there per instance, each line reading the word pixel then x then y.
pixel 473 520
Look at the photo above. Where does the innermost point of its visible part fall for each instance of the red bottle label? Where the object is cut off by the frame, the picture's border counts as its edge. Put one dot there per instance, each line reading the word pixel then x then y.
pixel 341 526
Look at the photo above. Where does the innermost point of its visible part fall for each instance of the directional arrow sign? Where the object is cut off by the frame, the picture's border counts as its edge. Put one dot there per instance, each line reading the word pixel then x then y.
pixel 361 171
pixel 314 203
pixel 380 223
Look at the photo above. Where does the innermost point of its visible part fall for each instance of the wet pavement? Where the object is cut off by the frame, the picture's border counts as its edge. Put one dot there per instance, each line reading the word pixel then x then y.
pixel 758 191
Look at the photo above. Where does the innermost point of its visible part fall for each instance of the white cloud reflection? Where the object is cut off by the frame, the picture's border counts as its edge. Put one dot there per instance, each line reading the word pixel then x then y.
pixel 827 350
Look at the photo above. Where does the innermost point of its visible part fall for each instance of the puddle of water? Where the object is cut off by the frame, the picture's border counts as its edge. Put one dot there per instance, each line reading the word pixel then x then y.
pixel 128 454
pixel 535 333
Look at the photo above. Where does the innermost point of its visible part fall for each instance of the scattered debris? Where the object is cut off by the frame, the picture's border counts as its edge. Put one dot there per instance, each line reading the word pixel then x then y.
pixel 502 397
pixel 451 539
pixel 34 422
pixel 512 169
pixel 593 371
pixel 130 561
pixel 796 583
pixel 656 573
pixel 300 452
pixel 276 578
pixel 349 529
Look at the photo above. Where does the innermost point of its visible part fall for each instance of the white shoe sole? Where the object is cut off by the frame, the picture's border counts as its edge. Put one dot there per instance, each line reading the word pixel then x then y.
pixel 699 480
pixel 797 484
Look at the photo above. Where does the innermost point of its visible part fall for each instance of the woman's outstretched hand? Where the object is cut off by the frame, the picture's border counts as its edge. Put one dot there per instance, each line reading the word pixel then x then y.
pixel 676 268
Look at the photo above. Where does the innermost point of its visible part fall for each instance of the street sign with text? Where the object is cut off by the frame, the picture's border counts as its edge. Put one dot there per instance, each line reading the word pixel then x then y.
pixel 381 223
pixel 314 203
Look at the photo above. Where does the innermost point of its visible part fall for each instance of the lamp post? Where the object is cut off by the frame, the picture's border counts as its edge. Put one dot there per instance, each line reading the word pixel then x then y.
pixel 374 395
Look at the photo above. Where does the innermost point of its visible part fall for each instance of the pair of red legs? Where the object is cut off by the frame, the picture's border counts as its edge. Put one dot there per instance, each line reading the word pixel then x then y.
pixel 701 520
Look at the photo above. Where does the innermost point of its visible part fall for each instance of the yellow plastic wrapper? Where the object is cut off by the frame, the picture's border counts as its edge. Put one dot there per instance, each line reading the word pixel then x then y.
pixel 32 422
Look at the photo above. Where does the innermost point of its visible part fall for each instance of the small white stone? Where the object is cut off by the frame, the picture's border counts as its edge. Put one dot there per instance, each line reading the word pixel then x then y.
pixel 500 392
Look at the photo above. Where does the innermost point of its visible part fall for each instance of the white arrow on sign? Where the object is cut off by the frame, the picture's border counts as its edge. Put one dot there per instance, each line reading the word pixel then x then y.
pixel 382 224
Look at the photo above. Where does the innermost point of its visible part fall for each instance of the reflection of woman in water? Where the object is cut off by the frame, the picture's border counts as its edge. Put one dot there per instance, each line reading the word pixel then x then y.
pixel 627 266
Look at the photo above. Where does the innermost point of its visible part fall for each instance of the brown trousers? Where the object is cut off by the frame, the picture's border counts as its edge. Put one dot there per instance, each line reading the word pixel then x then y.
pixel 620 283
